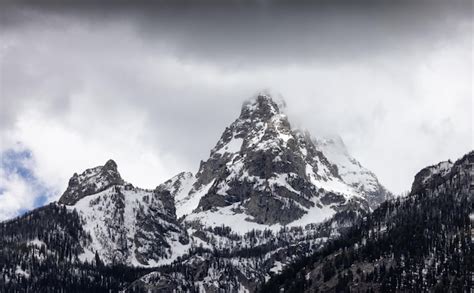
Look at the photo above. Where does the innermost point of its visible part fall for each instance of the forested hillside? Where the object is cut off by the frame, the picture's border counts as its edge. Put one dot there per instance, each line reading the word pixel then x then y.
pixel 419 243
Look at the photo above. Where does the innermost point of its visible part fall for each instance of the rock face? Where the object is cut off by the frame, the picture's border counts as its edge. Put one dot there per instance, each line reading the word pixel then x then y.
pixel 126 224
pixel 90 182
pixel 262 168
pixel 446 176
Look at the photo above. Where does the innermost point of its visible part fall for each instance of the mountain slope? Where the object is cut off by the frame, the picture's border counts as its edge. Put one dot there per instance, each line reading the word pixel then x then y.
pixel 179 187
pixel 131 226
pixel 40 252
pixel 419 243
pixel 351 171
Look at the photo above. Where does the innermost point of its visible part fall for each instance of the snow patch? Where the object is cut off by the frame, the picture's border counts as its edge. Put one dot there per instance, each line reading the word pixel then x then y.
pixel 189 203
pixel 19 271
pixel 239 222
pixel 277 268
pixel 350 170
pixel 233 146
pixel 330 184
pixel 314 215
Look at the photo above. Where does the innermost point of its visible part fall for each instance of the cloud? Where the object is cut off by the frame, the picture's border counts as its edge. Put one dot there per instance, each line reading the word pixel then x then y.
pixel 154 88
pixel 245 35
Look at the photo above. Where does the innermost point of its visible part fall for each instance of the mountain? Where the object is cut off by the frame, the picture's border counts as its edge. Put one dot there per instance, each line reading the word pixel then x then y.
pixel 111 220
pixel 421 243
pixel 267 196
pixel 264 174
pixel 127 224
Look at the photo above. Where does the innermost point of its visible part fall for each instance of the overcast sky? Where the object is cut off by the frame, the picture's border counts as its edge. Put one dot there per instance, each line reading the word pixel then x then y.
pixel 153 87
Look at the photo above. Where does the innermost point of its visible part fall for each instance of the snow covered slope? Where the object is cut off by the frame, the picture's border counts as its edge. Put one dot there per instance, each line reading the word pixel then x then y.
pixel 179 187
pixel 126 224
pixel 351 171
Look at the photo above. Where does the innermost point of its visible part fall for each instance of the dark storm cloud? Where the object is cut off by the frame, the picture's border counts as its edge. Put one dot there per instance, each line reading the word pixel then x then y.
pixel 244 33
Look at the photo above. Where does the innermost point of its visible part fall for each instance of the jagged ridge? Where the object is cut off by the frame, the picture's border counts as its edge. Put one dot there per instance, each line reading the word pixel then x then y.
pixel 91 181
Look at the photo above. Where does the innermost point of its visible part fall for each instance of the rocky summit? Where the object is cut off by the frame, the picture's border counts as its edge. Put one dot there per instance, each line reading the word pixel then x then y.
pixel 91 181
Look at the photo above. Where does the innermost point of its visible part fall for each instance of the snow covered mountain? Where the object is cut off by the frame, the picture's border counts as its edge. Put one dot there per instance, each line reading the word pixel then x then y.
pixel 126 224
pixel 264 174
pixel 267 196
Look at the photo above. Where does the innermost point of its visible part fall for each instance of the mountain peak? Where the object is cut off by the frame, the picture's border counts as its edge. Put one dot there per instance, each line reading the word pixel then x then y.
pixel 110 165
pixel 264 171
pixel 262 106
pixel 91 181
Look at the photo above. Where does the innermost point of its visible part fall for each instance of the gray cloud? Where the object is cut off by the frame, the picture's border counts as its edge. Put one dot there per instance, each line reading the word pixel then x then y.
pixel 273 32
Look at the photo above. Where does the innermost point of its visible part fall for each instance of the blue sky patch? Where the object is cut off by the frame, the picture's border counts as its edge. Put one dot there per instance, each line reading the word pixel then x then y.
pixel 19 162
